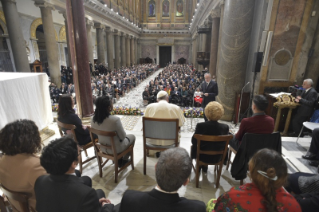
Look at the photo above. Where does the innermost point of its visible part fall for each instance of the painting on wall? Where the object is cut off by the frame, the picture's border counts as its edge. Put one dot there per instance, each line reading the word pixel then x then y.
pixel 179 8
pixel 151 8
pixel 165 8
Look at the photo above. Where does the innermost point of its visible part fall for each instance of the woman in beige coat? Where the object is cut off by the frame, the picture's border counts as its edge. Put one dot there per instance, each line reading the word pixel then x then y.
pixel 19 166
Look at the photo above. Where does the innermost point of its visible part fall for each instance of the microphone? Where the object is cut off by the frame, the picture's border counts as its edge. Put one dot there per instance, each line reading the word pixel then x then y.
pixel 241 96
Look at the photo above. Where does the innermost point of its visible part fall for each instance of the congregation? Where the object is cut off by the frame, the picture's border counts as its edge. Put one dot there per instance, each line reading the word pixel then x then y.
pixel 112 83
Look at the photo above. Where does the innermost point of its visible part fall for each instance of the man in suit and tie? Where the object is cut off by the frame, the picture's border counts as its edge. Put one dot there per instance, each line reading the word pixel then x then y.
pixel 209 90
pixel 307 102
pixel 172 170
pixel 62 190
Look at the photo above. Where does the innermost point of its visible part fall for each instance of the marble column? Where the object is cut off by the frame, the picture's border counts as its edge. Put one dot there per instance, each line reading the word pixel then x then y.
pixel 110 47
pixel 79 56
pixel 89 25
pixel 123 49
pixel 100 43
pixel 128 51
pixel 117 49
pixel 214 42
pixel 235 39
pixel 136 54
pixel 138 51
pixel 68 59
pixel 50 42
pixel 132 51
pixel 16 37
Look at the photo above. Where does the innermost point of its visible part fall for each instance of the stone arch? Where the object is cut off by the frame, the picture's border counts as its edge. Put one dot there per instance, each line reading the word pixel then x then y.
pixel 37 22
pixel 62 34
pixel 3 23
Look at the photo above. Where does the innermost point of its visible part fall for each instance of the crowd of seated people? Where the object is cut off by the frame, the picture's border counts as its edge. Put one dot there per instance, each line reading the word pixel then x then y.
pixel 179 81
pixel 104 82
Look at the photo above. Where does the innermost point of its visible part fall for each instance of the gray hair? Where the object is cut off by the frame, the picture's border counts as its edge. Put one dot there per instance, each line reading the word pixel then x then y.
pixel 163 97
pixel 309 81
pixel 173 168
pixel 207 74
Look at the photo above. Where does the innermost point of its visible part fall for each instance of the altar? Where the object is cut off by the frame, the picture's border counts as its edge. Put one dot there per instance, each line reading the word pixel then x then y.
pixel 25 96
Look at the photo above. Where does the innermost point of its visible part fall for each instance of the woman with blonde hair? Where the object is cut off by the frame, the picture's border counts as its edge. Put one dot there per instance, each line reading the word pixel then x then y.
pixel 268 173
pixel 214 111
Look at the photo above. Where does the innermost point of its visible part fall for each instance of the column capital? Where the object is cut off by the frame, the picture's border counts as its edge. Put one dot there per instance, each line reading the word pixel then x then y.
pixel 109 29
pixel 221 3
pixel 99 26
pixel 116 32
pixel 44 4
pixel 89 22
pixel 215 13
pixel 11 1
pixel 63 13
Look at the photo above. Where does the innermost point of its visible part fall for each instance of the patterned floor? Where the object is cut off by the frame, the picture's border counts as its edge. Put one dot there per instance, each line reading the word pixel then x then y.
pixel 134 97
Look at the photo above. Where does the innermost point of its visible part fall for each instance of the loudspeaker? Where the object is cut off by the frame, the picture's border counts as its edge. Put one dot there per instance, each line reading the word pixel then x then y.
pixel 258 61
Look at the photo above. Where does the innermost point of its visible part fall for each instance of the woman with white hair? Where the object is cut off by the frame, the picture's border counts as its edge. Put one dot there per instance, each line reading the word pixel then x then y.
pixel 214 111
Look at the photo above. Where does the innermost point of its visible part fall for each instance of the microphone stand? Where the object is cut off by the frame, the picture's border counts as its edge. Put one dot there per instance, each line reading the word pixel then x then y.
pixel 241 97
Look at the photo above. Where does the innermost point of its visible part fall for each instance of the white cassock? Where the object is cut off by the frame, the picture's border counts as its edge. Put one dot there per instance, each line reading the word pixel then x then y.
pixel 164 110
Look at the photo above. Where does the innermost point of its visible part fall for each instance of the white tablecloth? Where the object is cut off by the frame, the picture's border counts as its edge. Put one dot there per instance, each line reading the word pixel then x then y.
pixel 25 96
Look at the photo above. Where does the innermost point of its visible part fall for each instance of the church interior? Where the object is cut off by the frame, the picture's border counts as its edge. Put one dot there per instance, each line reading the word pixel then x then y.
pixel 133 51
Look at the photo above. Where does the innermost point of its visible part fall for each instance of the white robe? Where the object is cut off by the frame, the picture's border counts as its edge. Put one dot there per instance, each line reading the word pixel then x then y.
pixel 164 110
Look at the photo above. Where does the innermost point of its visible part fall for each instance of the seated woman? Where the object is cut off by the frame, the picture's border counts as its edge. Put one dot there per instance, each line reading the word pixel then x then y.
pixel 102 120
pixel 268 173
pixel 20 166
pixel 67 115
pixel 213 111
pixel 305 188
pixel 197 97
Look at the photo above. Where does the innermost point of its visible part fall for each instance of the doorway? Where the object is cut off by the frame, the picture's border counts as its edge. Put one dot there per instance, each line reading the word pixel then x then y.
pixel 42 47
pixel 165 55
pixel 5 59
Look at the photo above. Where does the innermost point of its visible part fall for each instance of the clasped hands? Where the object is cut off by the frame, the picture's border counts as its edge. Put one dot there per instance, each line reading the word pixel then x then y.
pixel 205 94
pixel 104 201
pixel 298 99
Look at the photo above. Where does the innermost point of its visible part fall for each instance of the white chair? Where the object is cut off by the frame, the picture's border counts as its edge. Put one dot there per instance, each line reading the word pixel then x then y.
pixel 309 125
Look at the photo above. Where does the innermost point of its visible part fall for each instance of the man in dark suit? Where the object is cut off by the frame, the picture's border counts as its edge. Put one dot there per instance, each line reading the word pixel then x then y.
pixel 307 103
pixel 209 90
pixel 61 190
pixel 172 170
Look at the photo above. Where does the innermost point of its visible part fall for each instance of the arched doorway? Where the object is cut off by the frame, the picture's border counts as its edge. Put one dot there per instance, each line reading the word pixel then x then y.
pixel 42 47
pixel 5 59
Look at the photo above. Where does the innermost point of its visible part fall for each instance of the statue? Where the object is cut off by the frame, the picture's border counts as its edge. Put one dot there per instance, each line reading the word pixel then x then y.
pixel 151 8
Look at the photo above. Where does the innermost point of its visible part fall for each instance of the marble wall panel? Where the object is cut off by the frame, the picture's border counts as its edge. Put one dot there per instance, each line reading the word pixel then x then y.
pixel 181 51
pixel 148 51
pixel 289 18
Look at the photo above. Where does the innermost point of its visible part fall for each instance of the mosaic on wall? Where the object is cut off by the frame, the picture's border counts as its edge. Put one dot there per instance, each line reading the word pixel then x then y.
pixel 165 8
pixel 151 6
pixel 179 8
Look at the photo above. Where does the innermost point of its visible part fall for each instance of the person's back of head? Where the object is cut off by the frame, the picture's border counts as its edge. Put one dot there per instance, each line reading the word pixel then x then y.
pixel 268 171
pixel 261 102
pixel 58 157
pixel 173 169
pixel 103 109
pixel 21 136
pixel 65 105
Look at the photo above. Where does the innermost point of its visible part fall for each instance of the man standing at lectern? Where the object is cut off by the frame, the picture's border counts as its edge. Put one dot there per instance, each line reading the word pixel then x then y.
pixel 209 90
pixel 307 102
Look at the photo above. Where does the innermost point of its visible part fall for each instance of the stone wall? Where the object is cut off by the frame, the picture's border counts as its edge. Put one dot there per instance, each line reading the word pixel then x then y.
pixel 181 51
pixel 148 51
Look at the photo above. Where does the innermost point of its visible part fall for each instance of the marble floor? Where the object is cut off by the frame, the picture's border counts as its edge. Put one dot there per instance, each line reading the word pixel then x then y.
pixel 135 180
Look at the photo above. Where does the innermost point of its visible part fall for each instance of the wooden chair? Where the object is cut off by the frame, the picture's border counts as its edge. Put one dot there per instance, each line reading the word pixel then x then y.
pixel 21 198
pixel 220 163
pixel 84 148
pixel 114 157
pixel 160 129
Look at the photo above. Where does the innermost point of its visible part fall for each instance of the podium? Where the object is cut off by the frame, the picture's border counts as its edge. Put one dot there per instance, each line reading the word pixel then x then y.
pixel 284 101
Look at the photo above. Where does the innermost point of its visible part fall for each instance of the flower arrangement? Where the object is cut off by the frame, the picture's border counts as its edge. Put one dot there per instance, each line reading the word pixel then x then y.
pixel 193 112
pixel 127 111
pixel 55 107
